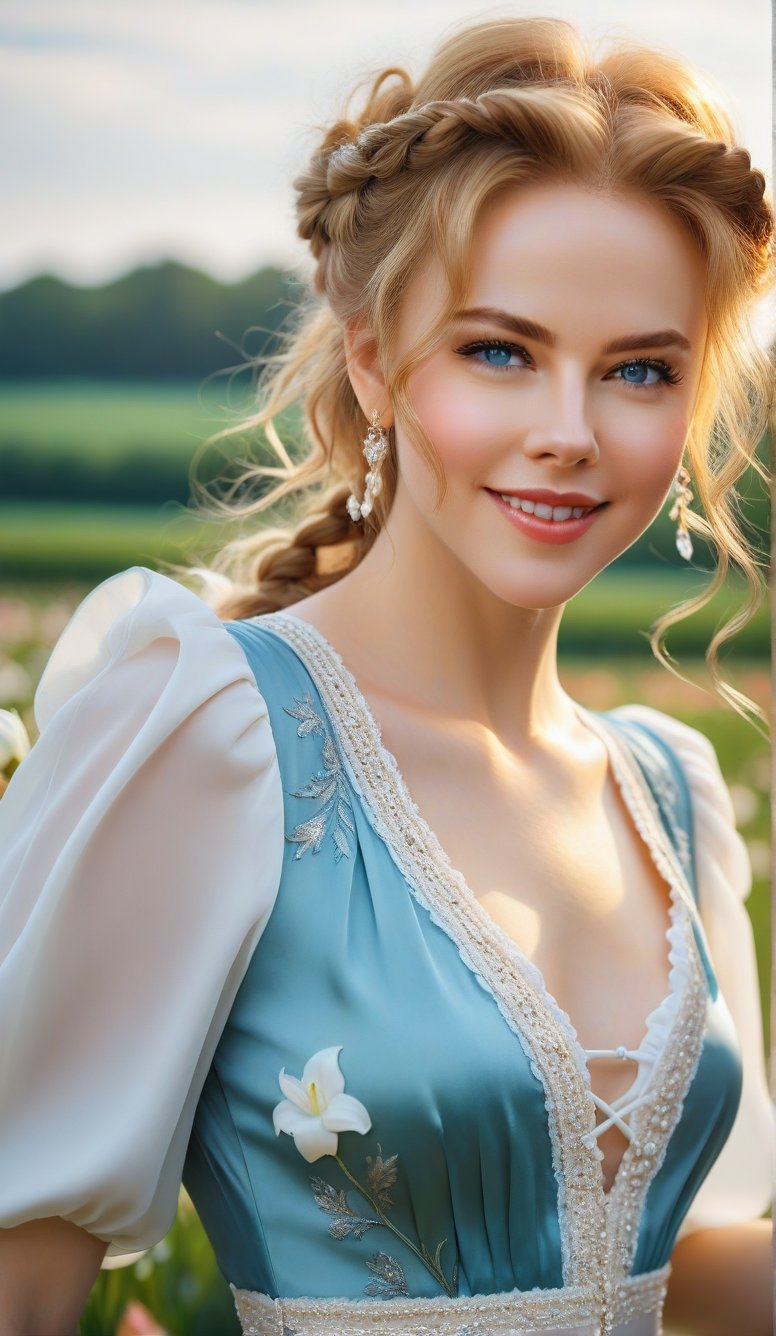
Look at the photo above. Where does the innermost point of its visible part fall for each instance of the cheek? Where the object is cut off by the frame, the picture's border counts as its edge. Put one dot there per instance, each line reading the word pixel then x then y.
pixel 649 444
pixel 460 420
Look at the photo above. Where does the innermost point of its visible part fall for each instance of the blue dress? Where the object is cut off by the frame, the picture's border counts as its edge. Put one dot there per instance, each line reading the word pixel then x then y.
pixel 482 1150
pixel 234 956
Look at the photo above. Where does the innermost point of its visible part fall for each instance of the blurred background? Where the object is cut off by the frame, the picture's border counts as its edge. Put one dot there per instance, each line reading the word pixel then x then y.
pixel 148 254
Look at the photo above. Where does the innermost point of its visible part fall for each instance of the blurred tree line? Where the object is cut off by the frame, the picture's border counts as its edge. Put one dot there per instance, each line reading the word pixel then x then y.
pixel 160 322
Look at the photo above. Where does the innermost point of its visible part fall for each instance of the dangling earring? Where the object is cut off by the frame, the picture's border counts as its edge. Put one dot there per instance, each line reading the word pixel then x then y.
pixel 678 512
pixel 375 450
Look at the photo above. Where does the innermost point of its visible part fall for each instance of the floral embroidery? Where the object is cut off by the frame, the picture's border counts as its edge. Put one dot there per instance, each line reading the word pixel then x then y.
pixel 328 785
pixel 315 1110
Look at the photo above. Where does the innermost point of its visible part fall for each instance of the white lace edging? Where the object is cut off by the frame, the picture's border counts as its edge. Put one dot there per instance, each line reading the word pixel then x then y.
pixel 572 1309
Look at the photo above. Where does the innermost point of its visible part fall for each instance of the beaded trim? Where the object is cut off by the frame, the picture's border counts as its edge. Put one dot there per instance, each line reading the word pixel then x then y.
pixel 654 1122
pixel 571 1310
pixel 598 1231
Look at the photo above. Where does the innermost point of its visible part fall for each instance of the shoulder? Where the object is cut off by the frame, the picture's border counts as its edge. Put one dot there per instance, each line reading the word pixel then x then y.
pixel 692 746
pixel 718 842
pixel 138 613
pixel 144 686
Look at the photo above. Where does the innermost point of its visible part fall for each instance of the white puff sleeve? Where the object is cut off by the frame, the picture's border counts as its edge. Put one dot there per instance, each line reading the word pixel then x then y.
pixel 141 842
pixel 738 1188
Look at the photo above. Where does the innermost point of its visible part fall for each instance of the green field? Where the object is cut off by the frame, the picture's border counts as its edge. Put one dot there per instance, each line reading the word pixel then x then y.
pixel 120 444
pixel 92 542
pixel 101 418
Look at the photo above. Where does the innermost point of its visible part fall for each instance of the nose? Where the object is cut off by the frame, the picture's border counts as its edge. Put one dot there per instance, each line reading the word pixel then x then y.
pixel 561 425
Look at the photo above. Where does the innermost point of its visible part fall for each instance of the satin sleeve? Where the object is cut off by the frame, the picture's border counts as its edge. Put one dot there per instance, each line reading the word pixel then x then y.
pixel 141 842
pixel 738 1187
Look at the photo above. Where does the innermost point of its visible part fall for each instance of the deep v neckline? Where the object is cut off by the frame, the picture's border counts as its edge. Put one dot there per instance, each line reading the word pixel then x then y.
pixel 592 1217
pixel 629 782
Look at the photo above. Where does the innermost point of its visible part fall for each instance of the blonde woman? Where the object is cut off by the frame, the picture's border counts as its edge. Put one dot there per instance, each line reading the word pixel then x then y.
pixel 320 894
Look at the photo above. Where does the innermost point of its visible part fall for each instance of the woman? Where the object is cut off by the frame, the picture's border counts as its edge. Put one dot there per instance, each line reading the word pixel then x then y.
pixel 434 987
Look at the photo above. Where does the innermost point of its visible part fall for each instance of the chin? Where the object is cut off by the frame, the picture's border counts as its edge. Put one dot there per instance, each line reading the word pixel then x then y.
pixel 536 590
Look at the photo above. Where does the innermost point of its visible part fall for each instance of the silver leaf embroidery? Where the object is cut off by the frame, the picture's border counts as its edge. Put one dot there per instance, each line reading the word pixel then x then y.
pixel 328 786
pixel 345 1222
pixel 381 1177
pixel 390 1282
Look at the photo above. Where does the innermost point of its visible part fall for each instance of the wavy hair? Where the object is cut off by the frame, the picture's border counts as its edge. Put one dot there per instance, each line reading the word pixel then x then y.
pixel 501 104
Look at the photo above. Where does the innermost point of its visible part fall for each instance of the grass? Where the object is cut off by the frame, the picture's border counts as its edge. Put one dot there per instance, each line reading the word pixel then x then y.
pixel 97 419
pixel 91 542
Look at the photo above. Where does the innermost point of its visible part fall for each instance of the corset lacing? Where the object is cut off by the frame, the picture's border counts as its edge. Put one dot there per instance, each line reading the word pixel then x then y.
pixel 624 1104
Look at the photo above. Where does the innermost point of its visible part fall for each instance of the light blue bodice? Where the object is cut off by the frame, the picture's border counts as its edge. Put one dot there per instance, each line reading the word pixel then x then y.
pixel 479 1150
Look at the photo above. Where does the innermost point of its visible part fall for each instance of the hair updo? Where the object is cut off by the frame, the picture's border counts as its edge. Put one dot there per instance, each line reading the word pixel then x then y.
pixel 501 104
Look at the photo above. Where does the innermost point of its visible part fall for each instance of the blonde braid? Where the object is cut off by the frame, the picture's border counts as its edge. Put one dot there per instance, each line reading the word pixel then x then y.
pixel 538 121
pixel 535 118
pixel 292 565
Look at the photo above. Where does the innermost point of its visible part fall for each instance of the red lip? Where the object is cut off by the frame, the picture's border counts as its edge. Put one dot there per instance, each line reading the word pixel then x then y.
pixel 542 494
pixel 546 531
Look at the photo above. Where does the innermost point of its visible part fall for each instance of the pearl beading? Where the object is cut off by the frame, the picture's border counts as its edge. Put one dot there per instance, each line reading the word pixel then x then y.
pixel 571 1310
pixel 598 1230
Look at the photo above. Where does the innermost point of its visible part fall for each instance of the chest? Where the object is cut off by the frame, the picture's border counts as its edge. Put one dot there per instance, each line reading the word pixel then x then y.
pixel 563 871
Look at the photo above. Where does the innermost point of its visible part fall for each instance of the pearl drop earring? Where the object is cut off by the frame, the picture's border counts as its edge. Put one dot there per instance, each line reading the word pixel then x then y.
pixel 678 512
pixel 375 450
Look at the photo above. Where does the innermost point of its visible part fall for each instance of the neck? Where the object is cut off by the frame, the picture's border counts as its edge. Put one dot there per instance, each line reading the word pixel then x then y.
pixel 416 626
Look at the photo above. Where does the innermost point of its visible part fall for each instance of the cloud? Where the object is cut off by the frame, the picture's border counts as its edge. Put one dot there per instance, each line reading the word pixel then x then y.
pixel 142 124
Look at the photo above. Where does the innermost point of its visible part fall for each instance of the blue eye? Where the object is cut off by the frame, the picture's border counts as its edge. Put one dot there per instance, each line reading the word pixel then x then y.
pixel 494 353
pixel 636 373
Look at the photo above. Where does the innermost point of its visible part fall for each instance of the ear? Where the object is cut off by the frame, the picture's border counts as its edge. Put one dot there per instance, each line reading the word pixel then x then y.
pixel 365 372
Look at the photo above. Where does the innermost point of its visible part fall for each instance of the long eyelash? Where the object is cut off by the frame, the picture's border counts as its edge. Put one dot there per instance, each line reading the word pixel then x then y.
pixel 670 377
pixel 479 344
pixel 668 374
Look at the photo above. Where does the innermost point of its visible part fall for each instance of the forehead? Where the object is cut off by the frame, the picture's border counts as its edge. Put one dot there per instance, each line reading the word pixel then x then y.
pixel 584 262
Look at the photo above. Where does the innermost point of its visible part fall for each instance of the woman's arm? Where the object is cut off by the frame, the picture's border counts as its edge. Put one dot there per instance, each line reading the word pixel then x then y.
pixel 47 1268
pixel 722 1281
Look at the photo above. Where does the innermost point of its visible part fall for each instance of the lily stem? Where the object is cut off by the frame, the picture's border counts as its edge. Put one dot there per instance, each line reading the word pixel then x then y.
pixel 435 1271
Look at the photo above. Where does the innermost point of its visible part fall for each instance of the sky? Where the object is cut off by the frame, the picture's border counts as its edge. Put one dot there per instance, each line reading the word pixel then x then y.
pixel 136 130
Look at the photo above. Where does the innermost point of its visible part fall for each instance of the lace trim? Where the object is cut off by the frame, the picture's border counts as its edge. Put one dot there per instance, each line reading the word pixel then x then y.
pixel 655 1120
pixel 658 1023
pixel 572 1310
pixel 598 1231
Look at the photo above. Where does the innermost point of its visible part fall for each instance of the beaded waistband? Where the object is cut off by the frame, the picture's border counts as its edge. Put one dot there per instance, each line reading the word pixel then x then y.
pixel 635 1303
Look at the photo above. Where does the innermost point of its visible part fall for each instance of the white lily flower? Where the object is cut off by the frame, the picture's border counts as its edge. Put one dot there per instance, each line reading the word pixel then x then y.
pixel 14 742
pixel 317 1107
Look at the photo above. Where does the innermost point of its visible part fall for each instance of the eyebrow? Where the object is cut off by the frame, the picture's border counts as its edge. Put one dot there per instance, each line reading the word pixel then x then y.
pixel 661 338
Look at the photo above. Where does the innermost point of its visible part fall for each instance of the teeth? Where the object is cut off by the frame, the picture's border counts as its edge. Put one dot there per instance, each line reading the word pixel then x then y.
pixel 546 512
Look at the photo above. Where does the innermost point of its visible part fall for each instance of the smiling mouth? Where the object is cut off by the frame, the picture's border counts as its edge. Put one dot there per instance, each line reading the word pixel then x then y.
pixel 543 511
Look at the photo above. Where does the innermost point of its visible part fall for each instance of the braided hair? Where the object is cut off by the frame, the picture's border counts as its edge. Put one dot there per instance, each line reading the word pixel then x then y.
pixel 404 176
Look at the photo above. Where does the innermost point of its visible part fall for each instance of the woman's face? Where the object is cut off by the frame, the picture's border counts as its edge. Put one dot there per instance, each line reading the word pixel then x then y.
pixel 572 369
